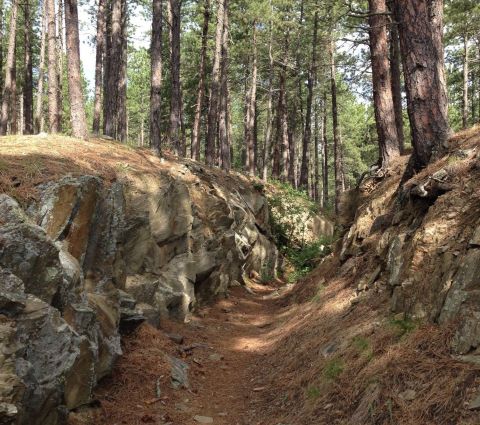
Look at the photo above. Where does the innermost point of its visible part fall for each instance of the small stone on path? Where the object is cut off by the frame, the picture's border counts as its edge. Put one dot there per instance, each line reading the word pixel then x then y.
pixel 203 419
pixel 215 357
pixel 178 339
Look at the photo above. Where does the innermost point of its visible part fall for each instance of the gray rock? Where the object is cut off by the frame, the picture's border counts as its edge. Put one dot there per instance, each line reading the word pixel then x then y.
pixel 475 241
pixel 47 356
pixel 66 211
pixel 12 296
pixel 178 339
pixel 178 372
pixel 203 419
pixel 28 253
pixel 475 403
pixel 11 212
pixel 395 260
pixel 408 395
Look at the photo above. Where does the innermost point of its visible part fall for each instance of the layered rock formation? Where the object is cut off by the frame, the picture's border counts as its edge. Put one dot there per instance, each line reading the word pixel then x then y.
pixel 422 246
pixel 91 258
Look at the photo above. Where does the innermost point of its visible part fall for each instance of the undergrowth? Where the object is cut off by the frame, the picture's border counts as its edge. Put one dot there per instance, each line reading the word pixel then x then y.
pixel 290 211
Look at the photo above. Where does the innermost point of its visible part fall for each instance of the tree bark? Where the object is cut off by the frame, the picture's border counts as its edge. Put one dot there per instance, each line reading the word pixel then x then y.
pixel 53 105
pixel 421 30
pixel 156 77
pixel 277 140
pixel 251 103
pixel 13 98
pixel 195 149
pixel 60 44
pixel 382 84
pixel 27 72
pixel 122 117
pixel 175 99
pixel 284 140
pixel 215 87
pixel 77 107
pixel 99 56
pixel 337 147
pixel 112 69
pixel 39 119
pixel 268 130
pixel 465 83
pixel 307 134
pixel 395 63
pixel 223 125
pixel 325 152
pixel 1 50
pixel 9 69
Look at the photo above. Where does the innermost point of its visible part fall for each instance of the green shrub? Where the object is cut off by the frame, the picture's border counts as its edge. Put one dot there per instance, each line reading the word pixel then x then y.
pixel 289 212
pixel 333 369
pixel 404 326
pixel 313 392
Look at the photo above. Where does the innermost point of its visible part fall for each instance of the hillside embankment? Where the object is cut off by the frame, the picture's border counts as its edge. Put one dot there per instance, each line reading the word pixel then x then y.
pixel 150 277
pixel 383 331
pixel 96 239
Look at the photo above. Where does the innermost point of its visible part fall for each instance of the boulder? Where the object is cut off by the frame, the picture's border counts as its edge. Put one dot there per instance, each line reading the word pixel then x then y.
pixel 105 251
pixel 47 356
pixel 30 254
pixel 395 260
pixel 66 211
pixel 12 294
pixel 11 387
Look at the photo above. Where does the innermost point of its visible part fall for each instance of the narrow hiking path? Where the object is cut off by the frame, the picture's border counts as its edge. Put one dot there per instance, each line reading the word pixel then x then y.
pixel 224 345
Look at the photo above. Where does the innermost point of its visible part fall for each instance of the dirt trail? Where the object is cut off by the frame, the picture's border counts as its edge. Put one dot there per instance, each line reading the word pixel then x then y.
pixel 225 367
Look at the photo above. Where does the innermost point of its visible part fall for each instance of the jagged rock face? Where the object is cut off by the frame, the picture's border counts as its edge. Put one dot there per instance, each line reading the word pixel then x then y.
pixel 90 258
pixel 427 246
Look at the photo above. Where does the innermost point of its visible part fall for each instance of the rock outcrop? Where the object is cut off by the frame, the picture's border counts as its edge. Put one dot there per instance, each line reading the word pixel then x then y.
pixel 92 257
pixel 423 243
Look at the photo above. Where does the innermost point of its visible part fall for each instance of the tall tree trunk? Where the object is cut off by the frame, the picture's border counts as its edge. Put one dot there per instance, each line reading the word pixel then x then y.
pixel 421 31
pixel 175 99
pixel 307 134
pixel 316 186
pixel 284 140
pixel 337 143
pixel 106 64
pixel 292 147
pixel 77 107
pixel 195 149
pixel 268 131
pixel 122 117
pixel 325 152
pixel 278 138
pixel 53 105
pixel 223 125
pixel 465 83
pixel 99 56
pixel 1 50
pixel 27 72
pixel 156 77
pixel 395 63
pixel 282 102
pixel 39 119
pixel 215 87
pixel 14 100
pixel 9 68
pixel 60 44
pixel 113 64
pixel 251 103
pixel 382 84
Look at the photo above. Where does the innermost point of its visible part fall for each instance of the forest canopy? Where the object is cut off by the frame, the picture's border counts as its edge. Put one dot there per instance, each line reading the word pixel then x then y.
pixel 311 92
